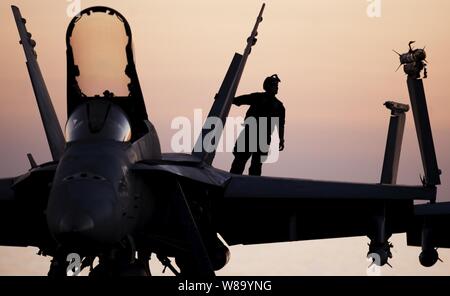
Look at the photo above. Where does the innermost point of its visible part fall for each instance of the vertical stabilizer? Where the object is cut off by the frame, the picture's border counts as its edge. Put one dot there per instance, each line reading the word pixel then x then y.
pixel 223 100
pixel 52 127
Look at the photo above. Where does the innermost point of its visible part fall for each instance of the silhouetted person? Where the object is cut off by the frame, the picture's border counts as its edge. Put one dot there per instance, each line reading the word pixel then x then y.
pixel 267 111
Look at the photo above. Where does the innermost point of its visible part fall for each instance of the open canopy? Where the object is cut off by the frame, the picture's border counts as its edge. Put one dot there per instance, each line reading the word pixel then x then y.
pixel 99 42
pixel 100 64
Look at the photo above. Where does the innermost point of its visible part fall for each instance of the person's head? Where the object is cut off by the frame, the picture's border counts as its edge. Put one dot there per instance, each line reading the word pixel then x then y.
pixel 271 84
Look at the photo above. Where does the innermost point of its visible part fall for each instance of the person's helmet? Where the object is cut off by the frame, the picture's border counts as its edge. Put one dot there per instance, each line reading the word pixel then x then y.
pixel 270 81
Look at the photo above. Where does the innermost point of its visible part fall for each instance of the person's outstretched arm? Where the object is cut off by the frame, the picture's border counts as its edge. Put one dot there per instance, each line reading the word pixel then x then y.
pixel 244 100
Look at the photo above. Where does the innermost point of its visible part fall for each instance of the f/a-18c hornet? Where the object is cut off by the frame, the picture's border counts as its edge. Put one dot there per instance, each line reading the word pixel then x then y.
pixel 110 193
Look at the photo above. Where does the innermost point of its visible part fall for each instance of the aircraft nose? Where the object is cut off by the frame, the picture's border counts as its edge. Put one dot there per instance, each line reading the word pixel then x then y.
pixel 76 230
pixel 82 212
pixel 76 223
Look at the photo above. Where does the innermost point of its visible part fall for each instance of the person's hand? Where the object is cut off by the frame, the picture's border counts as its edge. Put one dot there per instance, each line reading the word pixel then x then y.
pixel 281 146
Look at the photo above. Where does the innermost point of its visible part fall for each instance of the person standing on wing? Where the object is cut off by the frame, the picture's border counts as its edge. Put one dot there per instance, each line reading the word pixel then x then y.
pixel 265 112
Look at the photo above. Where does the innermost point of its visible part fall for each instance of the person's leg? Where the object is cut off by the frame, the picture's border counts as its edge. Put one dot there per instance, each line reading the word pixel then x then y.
pixel 238 165
pixel 256 165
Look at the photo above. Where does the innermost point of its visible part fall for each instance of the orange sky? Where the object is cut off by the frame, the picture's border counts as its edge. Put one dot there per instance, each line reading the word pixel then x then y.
pixel 336 67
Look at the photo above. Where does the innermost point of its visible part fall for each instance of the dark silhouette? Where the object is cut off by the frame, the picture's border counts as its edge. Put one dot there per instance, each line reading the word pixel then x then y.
pixel 262 106
pixel 110 193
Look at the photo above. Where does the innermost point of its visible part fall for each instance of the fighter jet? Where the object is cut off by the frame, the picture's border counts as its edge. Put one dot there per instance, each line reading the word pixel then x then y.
pixel 109 193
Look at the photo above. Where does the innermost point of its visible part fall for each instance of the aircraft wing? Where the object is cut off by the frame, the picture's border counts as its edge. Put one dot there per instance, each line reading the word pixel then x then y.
pixel 257 210
pixel 23 200
pixel 252 210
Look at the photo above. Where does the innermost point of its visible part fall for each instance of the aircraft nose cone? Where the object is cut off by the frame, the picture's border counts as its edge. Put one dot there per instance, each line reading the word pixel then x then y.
pixel 76 223
pixel 82 212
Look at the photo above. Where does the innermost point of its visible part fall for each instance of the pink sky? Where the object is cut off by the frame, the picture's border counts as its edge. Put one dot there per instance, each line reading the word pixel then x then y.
pixel 336 67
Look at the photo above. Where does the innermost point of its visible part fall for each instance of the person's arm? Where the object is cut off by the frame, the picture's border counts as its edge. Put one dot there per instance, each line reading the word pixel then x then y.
pixel 281 127
pixel 243 100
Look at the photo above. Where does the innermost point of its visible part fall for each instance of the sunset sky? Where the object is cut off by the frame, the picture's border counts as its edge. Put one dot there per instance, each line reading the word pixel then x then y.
pixel 336 67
